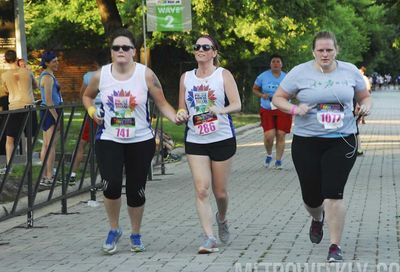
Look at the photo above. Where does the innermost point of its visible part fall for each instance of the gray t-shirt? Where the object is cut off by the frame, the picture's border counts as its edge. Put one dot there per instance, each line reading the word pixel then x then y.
pixel 329 94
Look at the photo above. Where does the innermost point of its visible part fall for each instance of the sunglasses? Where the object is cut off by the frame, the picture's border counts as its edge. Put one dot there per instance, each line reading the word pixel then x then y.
pixel 125 48
pixel 205 47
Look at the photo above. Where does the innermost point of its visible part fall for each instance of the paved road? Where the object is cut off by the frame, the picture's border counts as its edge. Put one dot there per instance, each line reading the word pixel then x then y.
pixel 268 222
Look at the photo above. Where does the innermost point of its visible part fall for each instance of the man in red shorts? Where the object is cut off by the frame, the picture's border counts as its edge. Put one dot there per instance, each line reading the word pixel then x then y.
pixel 275 123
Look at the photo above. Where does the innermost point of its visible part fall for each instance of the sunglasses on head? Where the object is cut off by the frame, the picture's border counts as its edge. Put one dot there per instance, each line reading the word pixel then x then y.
pixel 205 47
pixel 125 48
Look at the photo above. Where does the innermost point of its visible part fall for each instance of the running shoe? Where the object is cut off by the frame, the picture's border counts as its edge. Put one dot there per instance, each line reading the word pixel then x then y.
pixel 268 160
pixel 172 158
pixel 4 170
pixel 136 243
pixel 334 254
pixel 316 230
pixel 278 165
pixel 223 230
pixel 110 244
pixel 72 181
pixel 209 245
pixel 46 182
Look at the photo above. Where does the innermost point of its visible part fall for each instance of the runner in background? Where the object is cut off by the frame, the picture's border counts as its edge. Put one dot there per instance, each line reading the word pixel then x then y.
pixel 275 123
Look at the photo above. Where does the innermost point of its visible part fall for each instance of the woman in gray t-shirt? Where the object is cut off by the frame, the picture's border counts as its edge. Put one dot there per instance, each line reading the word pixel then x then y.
pixel 324 143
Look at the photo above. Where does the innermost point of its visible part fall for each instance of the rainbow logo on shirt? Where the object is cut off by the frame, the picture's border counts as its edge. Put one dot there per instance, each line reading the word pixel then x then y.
pixel 122 103
pixel 201 98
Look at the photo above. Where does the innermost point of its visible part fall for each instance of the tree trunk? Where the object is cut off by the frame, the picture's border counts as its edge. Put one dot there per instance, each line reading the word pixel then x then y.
pixel 109 14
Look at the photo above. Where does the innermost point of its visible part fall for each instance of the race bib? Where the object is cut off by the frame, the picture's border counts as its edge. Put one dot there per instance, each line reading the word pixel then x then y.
pixel 124 128
pixel 330 115
pixel 123 123
pixel 205 123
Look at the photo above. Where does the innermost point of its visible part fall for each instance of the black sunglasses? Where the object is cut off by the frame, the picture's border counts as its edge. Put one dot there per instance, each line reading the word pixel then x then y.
pixel 205 47
pixel 125 48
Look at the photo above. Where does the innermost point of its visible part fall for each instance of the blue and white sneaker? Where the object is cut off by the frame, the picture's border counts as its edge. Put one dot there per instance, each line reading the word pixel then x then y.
pixel 209 245
pixel 268 161
pixel 136 243
pixel 278 165
pixel 110 244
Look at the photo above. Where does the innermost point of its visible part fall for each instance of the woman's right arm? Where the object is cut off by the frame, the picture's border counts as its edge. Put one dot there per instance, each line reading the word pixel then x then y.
pixel 90 94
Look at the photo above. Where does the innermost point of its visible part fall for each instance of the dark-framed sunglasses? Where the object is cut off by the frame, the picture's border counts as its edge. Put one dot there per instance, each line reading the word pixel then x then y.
pixel 205 47
pixel 125 48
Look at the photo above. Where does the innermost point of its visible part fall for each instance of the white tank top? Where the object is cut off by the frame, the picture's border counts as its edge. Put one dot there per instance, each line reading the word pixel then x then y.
pixel 125 109
pixel 201 93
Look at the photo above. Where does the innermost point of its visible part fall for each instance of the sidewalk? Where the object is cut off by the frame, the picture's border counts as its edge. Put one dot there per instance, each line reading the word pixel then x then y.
pixel 267 220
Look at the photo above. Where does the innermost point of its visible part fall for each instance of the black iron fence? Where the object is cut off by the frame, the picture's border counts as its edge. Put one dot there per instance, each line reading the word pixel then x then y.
pixel 21 191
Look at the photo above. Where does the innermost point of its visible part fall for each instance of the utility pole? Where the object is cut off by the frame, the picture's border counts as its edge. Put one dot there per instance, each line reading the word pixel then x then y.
pixel 20 29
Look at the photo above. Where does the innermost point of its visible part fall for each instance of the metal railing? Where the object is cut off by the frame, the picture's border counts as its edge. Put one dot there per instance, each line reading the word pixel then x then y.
pixel 24 177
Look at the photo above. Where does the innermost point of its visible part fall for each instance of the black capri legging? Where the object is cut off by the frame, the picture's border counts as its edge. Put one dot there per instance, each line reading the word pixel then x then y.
pixel 136 157
pixel 323 166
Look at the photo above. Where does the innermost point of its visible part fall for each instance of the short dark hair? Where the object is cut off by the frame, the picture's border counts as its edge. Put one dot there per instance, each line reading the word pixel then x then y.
pixel 275 56
pixel 47 56
pixel 124 33
pixel 10 56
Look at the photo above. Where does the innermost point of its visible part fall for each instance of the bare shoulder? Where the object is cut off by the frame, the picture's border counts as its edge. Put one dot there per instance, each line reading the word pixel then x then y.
pixel 152 79
pixel 227 75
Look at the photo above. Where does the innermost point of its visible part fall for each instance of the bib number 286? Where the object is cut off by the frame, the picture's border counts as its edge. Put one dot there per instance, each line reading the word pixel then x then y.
pixel 206 128
pixel 205 123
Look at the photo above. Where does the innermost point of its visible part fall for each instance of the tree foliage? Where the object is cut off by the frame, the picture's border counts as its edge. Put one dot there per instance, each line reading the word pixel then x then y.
pixel 63 24
pixel 248 31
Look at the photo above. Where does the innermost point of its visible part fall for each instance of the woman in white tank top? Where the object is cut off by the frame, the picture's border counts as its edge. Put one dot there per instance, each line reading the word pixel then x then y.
pixel 206 97
pixel 125 137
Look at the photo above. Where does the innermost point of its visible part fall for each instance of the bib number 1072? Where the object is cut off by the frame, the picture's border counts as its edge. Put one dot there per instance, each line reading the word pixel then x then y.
pixel 330 117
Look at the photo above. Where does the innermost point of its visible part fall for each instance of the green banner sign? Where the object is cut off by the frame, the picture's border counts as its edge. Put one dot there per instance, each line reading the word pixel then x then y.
pixel 169 15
